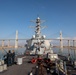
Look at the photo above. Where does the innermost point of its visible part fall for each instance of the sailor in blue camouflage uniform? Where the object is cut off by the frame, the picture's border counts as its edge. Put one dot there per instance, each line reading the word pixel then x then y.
pixel 9 59
pixel 13 56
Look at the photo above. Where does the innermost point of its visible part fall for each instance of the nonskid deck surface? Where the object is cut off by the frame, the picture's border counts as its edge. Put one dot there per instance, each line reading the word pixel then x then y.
pixel 26 67
pixel 23 69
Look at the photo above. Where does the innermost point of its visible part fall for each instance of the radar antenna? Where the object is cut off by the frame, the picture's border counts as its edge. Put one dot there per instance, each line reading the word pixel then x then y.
pixel 38 27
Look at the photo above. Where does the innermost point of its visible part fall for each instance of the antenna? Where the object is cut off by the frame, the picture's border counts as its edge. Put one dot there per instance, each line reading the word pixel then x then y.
pixel 38 27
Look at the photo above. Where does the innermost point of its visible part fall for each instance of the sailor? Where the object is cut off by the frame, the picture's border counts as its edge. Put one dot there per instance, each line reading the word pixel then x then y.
pixel 31 73
pixel 47 55
pixel 9 59
pixel 5 58
pixel 48 71
pixel 54 73
pixel 68 57
pixel 36 70
pixel 13 56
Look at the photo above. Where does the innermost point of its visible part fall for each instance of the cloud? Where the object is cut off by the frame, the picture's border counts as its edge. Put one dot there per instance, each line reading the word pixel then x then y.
pixel 64 38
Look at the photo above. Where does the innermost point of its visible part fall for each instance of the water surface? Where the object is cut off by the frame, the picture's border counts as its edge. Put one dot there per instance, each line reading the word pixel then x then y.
pixel 20 51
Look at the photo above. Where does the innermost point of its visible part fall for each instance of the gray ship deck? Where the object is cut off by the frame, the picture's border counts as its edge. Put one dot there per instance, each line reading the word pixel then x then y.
pixel 23 69
pixel 26 67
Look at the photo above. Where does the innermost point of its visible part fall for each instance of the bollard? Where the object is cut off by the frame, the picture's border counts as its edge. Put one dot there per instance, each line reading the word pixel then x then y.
pixel 2 62
pixel 1 68
pixel 19 61
pixel 5 67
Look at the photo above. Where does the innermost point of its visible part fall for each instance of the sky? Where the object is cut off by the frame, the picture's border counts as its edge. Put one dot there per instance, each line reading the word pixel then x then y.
pixel 59 15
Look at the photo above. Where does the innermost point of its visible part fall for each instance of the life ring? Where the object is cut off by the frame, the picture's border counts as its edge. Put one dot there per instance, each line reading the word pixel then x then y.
pixel 33 61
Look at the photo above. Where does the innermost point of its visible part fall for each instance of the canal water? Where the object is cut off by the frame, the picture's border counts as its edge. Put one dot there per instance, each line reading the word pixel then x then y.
pixel 18 51
pixel 66 52
pixel 21 51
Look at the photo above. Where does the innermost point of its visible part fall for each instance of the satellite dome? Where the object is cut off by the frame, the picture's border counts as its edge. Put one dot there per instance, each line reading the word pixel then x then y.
pixel 33 36
pixel 44 36
pixel 38 18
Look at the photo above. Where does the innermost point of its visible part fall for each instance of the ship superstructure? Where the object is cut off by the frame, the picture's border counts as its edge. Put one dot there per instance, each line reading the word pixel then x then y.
pixel 38 44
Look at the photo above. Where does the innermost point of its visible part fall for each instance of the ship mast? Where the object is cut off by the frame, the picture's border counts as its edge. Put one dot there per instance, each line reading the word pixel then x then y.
pixel 38 28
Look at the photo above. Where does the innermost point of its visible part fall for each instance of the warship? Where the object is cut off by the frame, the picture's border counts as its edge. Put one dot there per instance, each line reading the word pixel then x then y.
pixel 39 58
pixel 38 44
